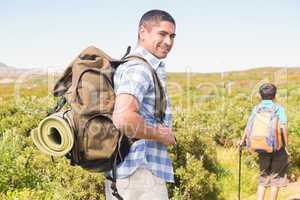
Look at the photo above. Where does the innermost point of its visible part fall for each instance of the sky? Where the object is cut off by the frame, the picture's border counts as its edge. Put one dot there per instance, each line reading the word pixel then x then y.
pixel 211 36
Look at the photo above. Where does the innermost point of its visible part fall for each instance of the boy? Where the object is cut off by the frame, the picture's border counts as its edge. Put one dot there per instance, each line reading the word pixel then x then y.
pixel 273 166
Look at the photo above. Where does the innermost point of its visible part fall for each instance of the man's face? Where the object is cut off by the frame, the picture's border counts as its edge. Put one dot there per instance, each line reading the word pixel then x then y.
pixel 157 38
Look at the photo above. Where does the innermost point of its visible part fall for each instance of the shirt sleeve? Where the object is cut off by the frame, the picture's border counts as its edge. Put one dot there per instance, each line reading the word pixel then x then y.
pixel 281 115
pixel 134 80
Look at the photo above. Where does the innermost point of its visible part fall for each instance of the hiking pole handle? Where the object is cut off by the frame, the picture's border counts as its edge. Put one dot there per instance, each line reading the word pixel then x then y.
pixel 240 148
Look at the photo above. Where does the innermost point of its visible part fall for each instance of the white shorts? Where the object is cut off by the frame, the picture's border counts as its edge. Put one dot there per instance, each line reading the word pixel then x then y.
pixel 142 185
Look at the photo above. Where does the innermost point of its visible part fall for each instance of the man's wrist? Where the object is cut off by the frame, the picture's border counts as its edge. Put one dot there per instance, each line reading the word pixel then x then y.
pixel 151 133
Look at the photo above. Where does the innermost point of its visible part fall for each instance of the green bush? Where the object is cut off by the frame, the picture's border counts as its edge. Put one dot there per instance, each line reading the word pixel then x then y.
pixel 25 173
pixel 26 194
pixel 204 125
pixel 195 182
pixel 195 161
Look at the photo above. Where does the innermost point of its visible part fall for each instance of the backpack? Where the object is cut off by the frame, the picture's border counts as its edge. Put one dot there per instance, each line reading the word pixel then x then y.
pixel 264 132
pixel 87 86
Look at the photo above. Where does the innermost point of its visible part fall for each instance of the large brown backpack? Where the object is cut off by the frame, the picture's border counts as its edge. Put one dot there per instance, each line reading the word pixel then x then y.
pixel 87 86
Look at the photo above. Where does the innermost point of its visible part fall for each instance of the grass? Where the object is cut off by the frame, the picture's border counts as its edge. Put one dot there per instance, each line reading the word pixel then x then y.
pixel 229 160
pixel 184 92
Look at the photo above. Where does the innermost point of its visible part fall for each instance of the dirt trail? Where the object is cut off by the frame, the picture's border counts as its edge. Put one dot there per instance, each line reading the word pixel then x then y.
pixel 291 192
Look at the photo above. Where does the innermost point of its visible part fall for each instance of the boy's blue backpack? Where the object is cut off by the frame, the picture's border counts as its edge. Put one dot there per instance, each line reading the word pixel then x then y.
pixel 263 130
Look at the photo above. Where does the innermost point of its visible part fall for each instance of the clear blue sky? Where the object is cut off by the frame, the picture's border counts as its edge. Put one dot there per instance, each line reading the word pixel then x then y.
pixel 211 35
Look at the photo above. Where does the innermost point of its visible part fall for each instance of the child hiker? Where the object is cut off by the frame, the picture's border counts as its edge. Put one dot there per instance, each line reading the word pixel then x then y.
pixel 266 134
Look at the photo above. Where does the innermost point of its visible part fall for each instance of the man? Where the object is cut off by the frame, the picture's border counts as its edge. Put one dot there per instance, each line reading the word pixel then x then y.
pixel 146 169
pixel 273 166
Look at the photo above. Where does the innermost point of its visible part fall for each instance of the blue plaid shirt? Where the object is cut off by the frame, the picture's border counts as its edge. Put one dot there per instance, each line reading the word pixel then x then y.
pixel 135 78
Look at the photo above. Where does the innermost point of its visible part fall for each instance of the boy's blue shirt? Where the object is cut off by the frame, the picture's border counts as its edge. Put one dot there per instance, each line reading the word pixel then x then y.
pixel 279 111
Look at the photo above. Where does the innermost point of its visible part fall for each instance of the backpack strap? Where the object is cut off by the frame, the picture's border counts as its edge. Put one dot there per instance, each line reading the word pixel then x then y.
pixel 113 185
pixel 160 97
pixel 127 53
pixel 273 109
pixel 258 108
pixel 59 105
pixel 113 178
pixel 114 181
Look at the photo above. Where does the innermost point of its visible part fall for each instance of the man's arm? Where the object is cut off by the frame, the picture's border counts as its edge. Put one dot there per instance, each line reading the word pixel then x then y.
pixel 127 119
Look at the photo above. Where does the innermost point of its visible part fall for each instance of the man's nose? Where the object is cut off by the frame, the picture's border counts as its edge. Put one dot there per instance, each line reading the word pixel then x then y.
pixel 168 41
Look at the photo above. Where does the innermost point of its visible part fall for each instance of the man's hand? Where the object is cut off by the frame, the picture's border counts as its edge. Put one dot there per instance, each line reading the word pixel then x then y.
pixel 127 119
pixel 165 135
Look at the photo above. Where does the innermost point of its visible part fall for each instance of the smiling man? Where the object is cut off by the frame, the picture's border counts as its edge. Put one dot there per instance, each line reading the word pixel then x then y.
pixel 146 169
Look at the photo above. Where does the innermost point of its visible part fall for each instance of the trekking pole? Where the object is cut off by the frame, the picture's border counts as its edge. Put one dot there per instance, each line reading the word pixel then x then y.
pixel 240 169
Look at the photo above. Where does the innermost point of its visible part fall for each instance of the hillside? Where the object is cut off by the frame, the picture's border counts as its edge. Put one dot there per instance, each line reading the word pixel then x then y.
pixel 210 113
pixel 253 73
pixel 9 74
pixel 4 67
pixel 242 75
pixel 232 80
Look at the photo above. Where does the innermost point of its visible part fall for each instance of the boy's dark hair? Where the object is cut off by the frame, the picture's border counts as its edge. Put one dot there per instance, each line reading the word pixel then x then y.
pixel 156 16
pixel 267 91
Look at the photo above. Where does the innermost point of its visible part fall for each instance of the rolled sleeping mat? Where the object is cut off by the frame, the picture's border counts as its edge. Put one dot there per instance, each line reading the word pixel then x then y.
pixel 54 135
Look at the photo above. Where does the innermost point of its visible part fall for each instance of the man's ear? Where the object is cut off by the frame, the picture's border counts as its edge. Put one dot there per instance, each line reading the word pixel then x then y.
pixel 142 31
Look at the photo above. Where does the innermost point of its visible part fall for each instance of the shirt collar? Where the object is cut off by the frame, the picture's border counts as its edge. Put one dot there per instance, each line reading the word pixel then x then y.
pixel 267 101
pixel 153 61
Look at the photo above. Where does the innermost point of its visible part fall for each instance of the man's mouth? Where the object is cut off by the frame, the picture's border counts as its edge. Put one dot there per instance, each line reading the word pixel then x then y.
pixel 165 49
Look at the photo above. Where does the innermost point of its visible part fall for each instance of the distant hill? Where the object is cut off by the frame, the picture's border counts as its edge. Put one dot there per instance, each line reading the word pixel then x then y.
pixel 5 69
pixel 4 66
pixel 260 71
pixel 242 79
pixel 11 72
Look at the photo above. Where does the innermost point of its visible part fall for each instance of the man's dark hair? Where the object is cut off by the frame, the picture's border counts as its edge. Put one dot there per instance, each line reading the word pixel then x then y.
pixel 267 91
pixel 156 16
